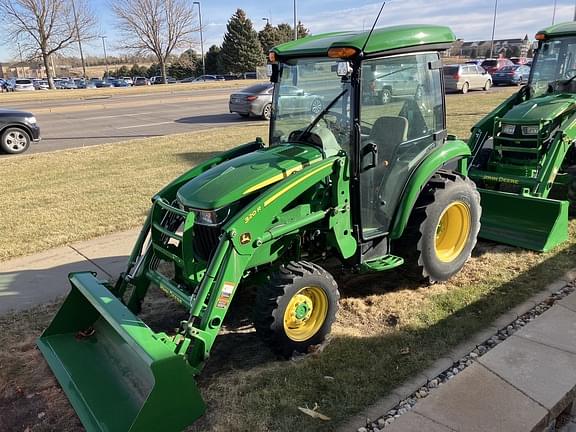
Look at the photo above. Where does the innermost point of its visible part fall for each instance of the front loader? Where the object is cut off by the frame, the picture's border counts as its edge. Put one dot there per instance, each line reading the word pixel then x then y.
pixel 524 155
pixel 367 180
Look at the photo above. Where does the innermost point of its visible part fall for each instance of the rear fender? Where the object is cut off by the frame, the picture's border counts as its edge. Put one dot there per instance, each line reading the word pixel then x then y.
pixel 450 151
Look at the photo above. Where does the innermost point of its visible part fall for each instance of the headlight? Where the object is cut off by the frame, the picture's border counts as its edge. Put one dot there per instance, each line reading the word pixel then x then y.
pixel 31 120
pixel 530 130
pixel 508 129
pixel 211 217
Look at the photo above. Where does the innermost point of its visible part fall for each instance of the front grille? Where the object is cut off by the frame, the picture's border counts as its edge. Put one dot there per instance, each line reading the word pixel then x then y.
pixel 206 240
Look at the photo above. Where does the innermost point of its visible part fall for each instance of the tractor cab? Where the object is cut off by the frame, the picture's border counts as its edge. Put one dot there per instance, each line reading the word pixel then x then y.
pixel 383 109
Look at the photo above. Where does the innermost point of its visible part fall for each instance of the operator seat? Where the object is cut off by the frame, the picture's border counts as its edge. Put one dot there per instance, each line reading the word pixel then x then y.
pixel 388 132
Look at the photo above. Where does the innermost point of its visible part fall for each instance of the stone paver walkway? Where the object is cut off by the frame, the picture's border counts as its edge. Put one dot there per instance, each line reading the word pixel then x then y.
pixel 523 384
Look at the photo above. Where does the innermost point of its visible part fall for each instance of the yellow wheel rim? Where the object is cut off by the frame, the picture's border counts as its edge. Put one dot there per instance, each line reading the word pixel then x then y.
pixel 305 313
pixel 452 231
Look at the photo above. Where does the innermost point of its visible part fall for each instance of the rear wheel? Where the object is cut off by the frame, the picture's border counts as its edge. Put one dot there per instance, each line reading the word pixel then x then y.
pixel 465 88
pixel 14 140
pixel 385 96
pixel 487 85
pixel 316 106
pixel 296 309
pixel 444 227
pixel 267 112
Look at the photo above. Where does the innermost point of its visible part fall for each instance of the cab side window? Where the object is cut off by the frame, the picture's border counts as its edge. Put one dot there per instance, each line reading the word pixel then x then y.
pixel 401 109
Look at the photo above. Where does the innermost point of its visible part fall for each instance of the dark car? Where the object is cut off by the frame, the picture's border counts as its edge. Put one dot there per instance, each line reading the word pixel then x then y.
pixel 102 84
pixel 511 75
pixel 120 83
pixel 17 130
pixel 255 100
pixel 160 80
pixel 490 65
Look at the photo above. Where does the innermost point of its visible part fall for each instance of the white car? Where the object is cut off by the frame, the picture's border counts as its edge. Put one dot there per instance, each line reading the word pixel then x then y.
pixel 128 80
pixel 22 84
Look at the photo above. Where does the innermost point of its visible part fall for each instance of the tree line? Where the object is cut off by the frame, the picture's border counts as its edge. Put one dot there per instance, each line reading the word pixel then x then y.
pixel 157 28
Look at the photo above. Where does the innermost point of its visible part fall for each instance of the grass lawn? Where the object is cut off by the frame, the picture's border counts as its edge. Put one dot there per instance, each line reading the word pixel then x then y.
pixel 82 193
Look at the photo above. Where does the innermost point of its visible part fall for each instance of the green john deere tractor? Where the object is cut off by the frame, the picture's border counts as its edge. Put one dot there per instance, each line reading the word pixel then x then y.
pixel 524 154
pixel 366 179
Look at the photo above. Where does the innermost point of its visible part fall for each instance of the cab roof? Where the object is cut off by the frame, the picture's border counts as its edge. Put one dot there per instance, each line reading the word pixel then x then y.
pixel 403 37
pixel 562 29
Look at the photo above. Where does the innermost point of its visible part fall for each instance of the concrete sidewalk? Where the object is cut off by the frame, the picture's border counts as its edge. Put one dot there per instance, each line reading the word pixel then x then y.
pixel 524 384
pixel 41 278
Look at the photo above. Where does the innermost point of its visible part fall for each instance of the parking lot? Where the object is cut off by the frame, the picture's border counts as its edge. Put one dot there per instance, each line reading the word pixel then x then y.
pixel 104 119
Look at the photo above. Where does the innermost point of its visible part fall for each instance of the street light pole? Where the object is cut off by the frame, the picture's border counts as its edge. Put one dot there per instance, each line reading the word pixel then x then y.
pixel 554 12
pixel 79 40
pixel 201 37
pixel 105 56
pixel 493 28
pixel 267 21
pixel 295 23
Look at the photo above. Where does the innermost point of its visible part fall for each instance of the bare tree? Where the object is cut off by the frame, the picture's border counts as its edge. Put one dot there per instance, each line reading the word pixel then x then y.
pixel 156 26
pixel 44 27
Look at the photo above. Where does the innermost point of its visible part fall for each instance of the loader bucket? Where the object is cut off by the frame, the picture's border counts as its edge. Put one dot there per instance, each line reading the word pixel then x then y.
pixel 117 373
pixel 533 223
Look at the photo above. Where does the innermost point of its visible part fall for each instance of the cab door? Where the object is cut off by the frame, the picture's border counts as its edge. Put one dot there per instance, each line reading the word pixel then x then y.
pixel 396 136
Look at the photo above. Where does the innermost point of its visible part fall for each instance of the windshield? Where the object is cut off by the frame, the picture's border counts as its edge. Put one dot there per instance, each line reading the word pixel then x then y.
pixel 306 87
pixel 555 62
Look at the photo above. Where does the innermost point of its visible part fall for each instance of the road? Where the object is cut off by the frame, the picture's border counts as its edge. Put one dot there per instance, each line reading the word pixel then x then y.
pixel 98 120
pixel 79 123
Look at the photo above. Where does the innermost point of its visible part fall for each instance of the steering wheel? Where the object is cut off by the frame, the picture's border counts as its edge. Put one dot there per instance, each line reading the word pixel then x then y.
pixel 339 124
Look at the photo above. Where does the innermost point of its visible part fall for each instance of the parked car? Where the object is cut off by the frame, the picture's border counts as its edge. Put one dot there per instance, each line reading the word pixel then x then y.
pixel 40 84
pixel 187 80
pixel 160 80
pixel 18 129
pixel 141 81
pixel 205 78
pixel 90 84
pixel 102 84
pixel 120 83
pixel 6 85
pixel 249 75
pixel 80 83
pixel 255 100
pixel 294 100
pixel 128 81
pixel 23 84
pixel 68 85
pixel 490 65
pixel 511 75
pixel 394 83
pixel 466 77
pixel 475 62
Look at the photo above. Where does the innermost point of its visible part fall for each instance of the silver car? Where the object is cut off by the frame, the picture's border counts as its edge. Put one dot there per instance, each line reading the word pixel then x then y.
pixel 255 101
pixel 464 77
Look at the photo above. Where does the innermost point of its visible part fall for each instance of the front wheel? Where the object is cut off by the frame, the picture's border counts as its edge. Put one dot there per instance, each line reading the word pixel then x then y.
pixel 296 309
pixel 465 88
pixel 15 141
pixel 385 97
pixel 487 85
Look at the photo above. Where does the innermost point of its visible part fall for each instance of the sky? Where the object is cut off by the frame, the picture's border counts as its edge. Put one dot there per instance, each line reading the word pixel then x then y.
pixel 470 19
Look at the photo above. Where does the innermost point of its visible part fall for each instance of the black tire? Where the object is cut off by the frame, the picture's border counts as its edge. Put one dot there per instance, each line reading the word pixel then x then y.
pixel 487 85
pixel 267 112
pixel 15 140
pixel 465 88
pixel 385 96
pixel 244 115
pixel 445 192
pixel 274 298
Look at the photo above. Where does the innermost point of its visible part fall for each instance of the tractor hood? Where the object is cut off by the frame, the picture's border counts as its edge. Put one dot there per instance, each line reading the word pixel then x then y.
pixel 541 109
pixel 239 177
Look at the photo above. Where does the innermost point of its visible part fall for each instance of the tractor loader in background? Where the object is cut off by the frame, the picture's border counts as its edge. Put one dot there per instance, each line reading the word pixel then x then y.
pixel 524 154
pixel 368 180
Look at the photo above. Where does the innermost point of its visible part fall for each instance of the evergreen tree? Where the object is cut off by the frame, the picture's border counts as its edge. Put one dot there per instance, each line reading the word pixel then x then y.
pixel 241 50
pixel 212 60
pixel 137 70
pixel 302 31
pixel 269 37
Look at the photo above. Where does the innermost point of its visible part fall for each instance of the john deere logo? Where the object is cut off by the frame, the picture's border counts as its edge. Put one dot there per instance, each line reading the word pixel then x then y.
pixel 245 238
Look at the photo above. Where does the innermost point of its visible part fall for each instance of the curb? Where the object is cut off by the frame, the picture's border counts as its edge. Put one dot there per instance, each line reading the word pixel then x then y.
pixel 409 387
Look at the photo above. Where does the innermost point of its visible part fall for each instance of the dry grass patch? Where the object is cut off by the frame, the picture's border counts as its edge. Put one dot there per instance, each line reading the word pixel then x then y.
pixel 51 199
